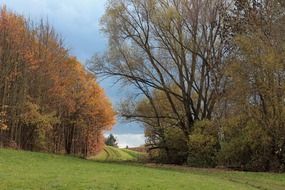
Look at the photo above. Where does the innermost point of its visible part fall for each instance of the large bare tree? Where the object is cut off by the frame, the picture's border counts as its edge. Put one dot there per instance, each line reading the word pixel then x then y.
pixel 174 46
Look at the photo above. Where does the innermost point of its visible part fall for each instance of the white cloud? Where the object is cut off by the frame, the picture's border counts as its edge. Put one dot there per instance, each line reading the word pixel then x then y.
pixel 130 140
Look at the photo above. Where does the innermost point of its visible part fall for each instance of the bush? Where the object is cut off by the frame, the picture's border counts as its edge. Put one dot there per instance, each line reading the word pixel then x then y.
pixel 172 149
pixel 203 145
pixel 177 145
pixel 246 146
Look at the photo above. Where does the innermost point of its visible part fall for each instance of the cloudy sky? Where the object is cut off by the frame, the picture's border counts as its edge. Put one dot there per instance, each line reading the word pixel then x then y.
pixel 78 24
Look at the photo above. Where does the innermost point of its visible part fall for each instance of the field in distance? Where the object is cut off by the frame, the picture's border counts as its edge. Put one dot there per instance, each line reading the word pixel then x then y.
pixel 110 153
pixel 36 171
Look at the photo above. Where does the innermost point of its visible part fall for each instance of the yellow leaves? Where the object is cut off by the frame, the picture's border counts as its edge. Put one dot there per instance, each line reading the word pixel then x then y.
pixel 115 11
pixel 171 13
pixel 256 49
pixel 257 52
pixel 76 91
pixel 29 57
pixel 257 71
pixel 166 17
pixel 3 126
pixel 32 116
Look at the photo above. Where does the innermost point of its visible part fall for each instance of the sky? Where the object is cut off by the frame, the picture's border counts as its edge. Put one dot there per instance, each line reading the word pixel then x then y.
pixel 78 23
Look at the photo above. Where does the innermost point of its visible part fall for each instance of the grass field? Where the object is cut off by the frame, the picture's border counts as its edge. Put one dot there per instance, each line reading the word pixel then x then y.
pixel 116 154
pixel 35 171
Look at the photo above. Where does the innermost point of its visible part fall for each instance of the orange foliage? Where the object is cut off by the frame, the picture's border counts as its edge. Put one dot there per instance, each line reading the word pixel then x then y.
pixel 35 69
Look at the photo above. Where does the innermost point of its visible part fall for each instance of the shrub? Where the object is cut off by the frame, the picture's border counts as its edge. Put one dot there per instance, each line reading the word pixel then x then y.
pixel 171 149
pixel 247 146
pixel 203 145
pixel 176 143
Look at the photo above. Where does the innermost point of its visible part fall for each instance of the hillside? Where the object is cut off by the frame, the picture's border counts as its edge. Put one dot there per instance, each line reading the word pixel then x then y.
pixel 35 171
pixel 117 154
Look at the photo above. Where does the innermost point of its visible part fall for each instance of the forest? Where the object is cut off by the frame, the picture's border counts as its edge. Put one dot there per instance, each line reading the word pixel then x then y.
pixel 207 80
pixel 48 101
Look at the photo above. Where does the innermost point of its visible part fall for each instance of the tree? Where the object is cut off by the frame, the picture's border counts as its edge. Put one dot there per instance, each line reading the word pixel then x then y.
pixel 48 100
pixel 175 47
pixel 111 141
pixel 256 95
pixel 165 141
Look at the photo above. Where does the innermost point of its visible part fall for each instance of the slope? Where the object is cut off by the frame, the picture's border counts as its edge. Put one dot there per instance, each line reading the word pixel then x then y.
pixel 36 171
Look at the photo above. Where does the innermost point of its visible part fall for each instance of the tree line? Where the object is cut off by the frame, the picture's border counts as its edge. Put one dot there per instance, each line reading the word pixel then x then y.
pixel 208 78
pixel 48 100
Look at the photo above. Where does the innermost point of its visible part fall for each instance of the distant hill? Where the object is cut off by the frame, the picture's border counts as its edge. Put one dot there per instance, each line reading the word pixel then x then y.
pixel 110 153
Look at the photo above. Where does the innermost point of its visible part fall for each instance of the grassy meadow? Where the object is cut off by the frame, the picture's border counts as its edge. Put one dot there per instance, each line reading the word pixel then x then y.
pixel 21 170
pixel 117 154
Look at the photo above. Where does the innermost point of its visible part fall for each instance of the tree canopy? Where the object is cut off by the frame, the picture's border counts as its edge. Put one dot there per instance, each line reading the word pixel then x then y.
pixel 48 101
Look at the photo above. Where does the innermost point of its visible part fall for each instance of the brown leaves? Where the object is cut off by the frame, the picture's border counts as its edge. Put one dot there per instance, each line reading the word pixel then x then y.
pixel 3 126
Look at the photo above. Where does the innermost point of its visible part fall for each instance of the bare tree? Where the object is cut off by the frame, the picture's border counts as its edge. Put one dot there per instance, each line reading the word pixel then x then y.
pixel 177 47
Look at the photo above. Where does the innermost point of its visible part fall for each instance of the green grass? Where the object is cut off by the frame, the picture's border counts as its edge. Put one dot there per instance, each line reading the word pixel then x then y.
pixel 116 154
pixel 35 171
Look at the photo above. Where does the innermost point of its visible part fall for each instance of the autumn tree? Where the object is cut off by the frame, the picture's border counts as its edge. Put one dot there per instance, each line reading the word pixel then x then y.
pixel 253 117
pixel 48 101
